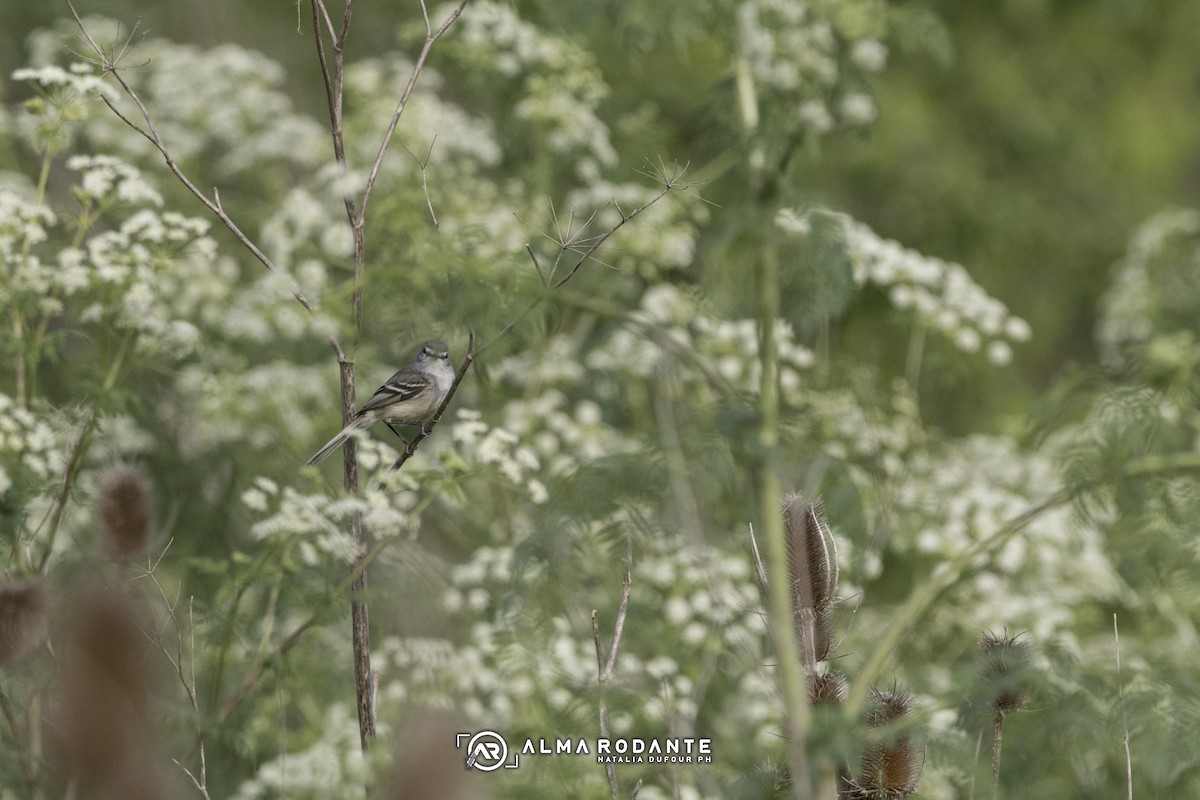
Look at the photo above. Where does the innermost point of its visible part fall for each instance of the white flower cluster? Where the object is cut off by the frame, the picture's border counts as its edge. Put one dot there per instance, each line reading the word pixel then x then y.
pixel 106 179
pixel 136 272
pixel 24 224
pixel 867 440
pixel 130 276
pixel 331 768
pixel 187 90
pixel 701 600
pixel 264 309
pixel 562 87
pixel 793 50
pixel 30 449
pixel 315 524
pixel 941 294
pixel 498 449
pixel 1163 255
pixel 305 219
pixel 473 582
pixel 759 710
pixel 563 434
pixel 78 81
pixel 197 116
pixel 953 496
pixel 485 680
pixel 730 346
pixel 63 100
pixel 492 672
pixel 705 595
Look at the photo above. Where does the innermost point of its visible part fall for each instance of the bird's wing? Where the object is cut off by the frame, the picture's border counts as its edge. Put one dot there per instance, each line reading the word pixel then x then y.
pixel 400 387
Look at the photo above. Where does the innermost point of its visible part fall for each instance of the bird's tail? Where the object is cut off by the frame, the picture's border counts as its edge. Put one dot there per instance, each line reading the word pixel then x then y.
pixel 337 441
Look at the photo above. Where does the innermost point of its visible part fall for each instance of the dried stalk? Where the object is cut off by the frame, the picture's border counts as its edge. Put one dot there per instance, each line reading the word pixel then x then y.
pixel 605 664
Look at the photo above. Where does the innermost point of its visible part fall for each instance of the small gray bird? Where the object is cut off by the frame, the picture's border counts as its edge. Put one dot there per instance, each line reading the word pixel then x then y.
pixel 408 398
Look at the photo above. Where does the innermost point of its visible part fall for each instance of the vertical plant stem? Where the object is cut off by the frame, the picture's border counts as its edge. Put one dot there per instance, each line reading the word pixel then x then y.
pixel 360 629
pixel 791 675
pixel 1124 716
pixel 606 664
pixel 997 741
pixel 360 619
pixel 916 351
pixel 18 339
pixel 33 718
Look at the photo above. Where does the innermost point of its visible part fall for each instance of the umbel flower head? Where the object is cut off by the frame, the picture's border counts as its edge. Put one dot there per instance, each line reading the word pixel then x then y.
pixel 123 509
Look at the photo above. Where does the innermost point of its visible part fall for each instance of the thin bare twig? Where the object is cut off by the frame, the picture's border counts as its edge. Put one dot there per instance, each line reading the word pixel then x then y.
pixel 334 82
pixel 1124 717
pixel 431 36
pixel 422 164
pixel 606 664
pixel 536 265
pixel 759 571
pixel 670 181
pixel 199 779
pixel 319 5
pixel 54 514
pixel 571 242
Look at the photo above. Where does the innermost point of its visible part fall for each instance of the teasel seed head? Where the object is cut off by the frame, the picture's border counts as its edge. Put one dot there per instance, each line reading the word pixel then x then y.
pixel 24 611
pixel 827 688
pixel 812 569
pixel 1004 665
pixel 890 768
pixel 123 511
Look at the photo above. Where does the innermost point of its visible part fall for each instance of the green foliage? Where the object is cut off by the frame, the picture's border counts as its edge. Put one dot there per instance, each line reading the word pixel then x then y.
pixel 618 424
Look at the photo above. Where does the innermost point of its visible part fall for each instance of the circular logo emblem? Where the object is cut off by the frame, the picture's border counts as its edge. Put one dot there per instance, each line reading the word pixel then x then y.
pixel 486 751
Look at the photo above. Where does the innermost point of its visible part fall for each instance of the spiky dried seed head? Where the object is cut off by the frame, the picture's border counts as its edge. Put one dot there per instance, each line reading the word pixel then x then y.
pixel 892 768
pixel 887 706
pixel 1004 664
pixel 123 511
pixel 827 689
pixel 812 570
pixel 24 611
